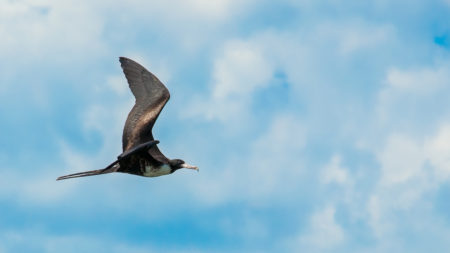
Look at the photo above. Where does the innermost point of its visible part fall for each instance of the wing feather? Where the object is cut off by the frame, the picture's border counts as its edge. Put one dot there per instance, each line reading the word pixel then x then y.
pixel 151 97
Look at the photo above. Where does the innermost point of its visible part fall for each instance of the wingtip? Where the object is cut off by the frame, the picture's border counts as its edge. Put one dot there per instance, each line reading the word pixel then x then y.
pixel 122 59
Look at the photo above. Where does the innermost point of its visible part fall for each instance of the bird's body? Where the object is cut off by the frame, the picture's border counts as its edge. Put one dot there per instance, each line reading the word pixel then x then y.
pixel 140 154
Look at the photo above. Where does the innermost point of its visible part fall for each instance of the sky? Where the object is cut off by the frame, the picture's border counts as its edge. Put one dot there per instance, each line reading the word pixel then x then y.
pixel 318 126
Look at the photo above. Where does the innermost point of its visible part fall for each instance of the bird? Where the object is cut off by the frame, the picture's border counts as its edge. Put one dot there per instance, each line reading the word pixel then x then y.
pixel 141 155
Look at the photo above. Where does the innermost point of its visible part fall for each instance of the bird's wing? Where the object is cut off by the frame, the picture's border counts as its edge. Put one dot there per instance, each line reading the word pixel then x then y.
pixel 151 96
pixel 156 154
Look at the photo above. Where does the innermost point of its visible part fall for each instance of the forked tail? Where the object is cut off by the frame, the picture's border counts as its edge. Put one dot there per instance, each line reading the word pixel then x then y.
pixel 113 167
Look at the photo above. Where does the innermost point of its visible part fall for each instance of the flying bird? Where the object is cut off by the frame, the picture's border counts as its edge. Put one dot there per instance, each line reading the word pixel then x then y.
pixel 141 155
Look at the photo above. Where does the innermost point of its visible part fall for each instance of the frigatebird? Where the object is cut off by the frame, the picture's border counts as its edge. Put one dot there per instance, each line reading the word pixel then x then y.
pixel 141 155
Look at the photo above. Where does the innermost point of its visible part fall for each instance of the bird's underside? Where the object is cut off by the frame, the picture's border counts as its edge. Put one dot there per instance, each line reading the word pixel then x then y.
pixel 141 155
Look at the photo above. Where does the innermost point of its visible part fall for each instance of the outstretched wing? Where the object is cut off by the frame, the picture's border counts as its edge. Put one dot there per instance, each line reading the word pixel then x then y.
pixel 151 96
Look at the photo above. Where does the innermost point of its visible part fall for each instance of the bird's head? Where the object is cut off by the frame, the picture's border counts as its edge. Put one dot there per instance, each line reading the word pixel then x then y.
pixel 176 164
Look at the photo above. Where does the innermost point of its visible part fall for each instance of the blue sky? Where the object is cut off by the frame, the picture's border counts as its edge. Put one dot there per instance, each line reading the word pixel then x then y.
pixel 318 126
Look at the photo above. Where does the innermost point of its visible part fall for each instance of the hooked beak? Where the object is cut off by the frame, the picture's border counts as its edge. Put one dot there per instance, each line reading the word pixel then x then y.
pixel 187 166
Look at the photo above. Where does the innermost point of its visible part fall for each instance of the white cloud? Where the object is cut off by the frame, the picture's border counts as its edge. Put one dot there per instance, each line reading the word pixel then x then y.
pixel 419 81
pixel 244 67
pixel 401 159
pixel 241 69
pixel 437 151
pixel 67 30
pixel 271 170
pixel 323 232
pixel 334 172
pixel 276 163
pixel 193 24
pixel 355 35
pixel 411 93
pixel 216 9
pixel 411 168
pixel 37 30
pixel 199 10
pixel 402 183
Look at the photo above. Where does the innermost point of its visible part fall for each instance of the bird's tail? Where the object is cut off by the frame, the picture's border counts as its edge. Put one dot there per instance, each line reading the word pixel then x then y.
pixel 113 167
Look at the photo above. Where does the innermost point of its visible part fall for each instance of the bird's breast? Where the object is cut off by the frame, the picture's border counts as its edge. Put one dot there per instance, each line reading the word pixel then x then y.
pixel 156 171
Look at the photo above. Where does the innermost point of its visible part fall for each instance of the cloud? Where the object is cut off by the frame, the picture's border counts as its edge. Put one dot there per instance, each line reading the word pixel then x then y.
pixel 218 9
pixel 402 183
pixel 36 29
pixel 66 31
pixel 276 162
pixel 244 67
pixel 414 92
pixel 323 232
pixel 353 36
pixel 437 152
pixel 199 10
pixel 411 169
pixel 401 160
pixel 241 69
pixel 271 171
pixel 334 173
pixel 419 81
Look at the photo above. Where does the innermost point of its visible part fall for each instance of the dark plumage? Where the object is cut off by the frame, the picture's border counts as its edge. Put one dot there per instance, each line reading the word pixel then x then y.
pixel 141 155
